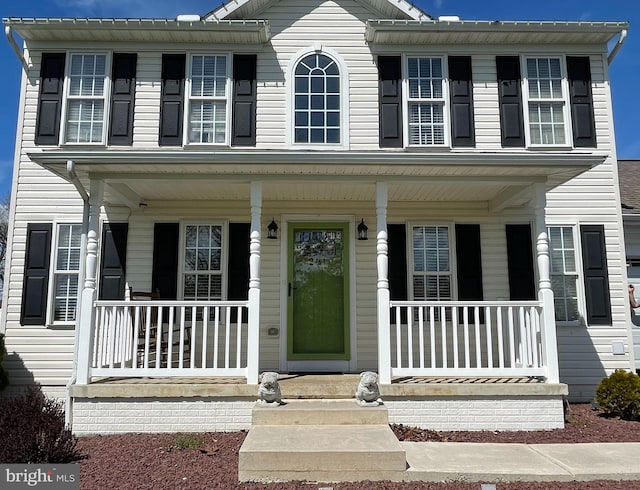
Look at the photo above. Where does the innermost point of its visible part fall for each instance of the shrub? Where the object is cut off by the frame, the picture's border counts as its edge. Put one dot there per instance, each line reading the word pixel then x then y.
pixel 32 430
pixel 4 376
pixel 619 395
pixel 186 441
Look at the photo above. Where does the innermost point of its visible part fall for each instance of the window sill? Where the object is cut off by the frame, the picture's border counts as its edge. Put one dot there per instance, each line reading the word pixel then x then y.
pixel 205 146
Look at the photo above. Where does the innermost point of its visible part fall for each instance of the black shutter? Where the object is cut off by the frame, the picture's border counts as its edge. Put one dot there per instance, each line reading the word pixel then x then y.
pixel 461 90
pixel 510 100
pixel 390 100
pixel 172 99
pixel 238 270
pixel 579 75
pixel 36 274
pixel 50 102
pixel 520 263
pixel 165 260
pixel 244 100
pixel 469 263
pixel 397 254
pixel 596 275
pixel 113 261
pixel 123 91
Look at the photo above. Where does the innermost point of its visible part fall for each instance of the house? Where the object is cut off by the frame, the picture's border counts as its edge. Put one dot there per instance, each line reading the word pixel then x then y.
pixel 630 204
pixel 321 187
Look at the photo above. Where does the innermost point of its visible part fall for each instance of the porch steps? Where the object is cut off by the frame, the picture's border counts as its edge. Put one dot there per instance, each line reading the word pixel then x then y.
pixel 321 440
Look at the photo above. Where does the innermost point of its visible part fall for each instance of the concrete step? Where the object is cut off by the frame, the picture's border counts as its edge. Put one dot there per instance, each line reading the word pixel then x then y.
pixel 325 453
pixel 319 412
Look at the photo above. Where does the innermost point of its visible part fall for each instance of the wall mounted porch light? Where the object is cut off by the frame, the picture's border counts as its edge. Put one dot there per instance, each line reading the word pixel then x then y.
pixel 362 231
pixel 272 229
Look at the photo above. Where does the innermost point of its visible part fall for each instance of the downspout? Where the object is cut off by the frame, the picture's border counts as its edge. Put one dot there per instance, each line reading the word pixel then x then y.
pixel 9 33
pixel 616 48
pixel 73 178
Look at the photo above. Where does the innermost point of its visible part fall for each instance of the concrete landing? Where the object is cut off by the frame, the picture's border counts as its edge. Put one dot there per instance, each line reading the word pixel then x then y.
pixel 321 440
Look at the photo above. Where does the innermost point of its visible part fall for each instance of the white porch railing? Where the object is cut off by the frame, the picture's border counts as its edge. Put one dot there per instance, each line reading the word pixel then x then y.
pixel 170 338
pixel 465 338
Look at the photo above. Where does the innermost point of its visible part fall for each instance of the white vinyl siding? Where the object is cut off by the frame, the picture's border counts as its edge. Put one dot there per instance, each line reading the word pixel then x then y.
pixel 546 96
pixel 66 270
pixel 426 101
pixel 202 267
pixel 431 257
pixel 86 100
pixel 207 99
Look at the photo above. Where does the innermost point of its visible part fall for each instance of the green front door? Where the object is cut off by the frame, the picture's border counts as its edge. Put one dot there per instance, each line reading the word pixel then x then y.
pixel 318 310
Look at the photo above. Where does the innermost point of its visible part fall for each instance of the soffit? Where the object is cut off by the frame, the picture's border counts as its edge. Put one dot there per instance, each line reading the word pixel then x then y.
pixel 491 32
pixel 140 30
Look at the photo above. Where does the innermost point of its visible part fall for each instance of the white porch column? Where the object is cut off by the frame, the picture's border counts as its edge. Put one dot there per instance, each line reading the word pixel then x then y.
pixel 382 247
pixel 545 293
pixel 87 310
pixel 253 337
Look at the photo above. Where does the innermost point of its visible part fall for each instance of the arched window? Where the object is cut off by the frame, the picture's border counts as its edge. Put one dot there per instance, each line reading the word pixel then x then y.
pixel 317 100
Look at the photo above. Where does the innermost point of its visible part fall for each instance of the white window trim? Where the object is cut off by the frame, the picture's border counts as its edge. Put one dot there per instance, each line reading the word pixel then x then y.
pixel 107 98
pixel 55 234
pixel 566 111
pixel 344 100
pixel 453 266
pixel 224 256
pixel 188 98
pixel 582 306
pixel 446 103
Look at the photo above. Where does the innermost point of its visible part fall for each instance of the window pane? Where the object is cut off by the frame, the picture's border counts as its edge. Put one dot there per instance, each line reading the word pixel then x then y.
pixel 65 297
pixel 302 102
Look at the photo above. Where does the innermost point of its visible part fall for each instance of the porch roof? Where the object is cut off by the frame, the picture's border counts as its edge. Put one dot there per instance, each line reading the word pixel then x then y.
pixel 135 176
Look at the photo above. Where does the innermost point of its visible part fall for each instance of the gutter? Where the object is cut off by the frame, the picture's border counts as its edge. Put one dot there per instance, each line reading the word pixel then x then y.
pixel 73 177
pixel 9 33
pixel 616 48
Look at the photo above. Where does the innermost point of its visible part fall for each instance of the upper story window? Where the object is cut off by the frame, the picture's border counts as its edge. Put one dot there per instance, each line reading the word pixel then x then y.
pixel 86 98
pixel 85 119
pixel 426 101
pixel 547 101
pixel 317 100
pixel 207 96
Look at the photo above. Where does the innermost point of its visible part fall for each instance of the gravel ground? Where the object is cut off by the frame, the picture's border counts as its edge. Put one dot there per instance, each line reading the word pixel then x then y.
pixel 153 461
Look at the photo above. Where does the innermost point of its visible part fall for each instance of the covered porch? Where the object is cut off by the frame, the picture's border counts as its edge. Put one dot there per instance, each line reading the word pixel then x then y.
pixel 493 338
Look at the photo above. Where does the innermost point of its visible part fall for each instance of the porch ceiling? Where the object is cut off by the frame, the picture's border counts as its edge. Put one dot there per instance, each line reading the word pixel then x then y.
pixel 143 176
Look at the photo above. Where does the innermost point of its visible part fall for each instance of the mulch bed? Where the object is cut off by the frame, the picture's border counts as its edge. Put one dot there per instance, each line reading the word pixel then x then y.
pixel 164 461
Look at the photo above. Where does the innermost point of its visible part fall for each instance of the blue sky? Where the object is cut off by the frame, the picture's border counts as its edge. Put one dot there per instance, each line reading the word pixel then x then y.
pixel 624 70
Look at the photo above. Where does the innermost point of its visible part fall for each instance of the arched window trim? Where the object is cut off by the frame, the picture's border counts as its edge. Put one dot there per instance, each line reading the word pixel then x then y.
pixel 344 99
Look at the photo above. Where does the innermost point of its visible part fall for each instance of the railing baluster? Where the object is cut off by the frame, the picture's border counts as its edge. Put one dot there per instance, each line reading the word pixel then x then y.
pixel 410 338
pixel 500 337
pixel 476 318
pixel 123 337
pixel 112 338
pixel 238 335
pixel 523 337
pixel 205 325
pixel 421 334
pixel 534 343
pixel 432 334
pixel 183 313
pixel 467 348
pixel 512 339
pixel 192 352
pixel 398 337
pixel 216 332
pixel 227 336
pixel 454 334
pixel 170 339
pixel 136 335
pixel 443 331
pixel 487 326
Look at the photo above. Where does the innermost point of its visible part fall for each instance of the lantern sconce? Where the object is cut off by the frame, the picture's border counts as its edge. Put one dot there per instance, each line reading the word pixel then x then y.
pixel 362 231
pixel 272 229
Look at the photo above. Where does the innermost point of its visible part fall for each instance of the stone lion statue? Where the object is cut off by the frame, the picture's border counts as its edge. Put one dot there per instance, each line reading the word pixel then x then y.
pixel 368 393
pixel 269 389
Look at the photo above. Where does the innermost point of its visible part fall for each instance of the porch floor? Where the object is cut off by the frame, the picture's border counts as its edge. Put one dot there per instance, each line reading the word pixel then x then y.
pixel 316 386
